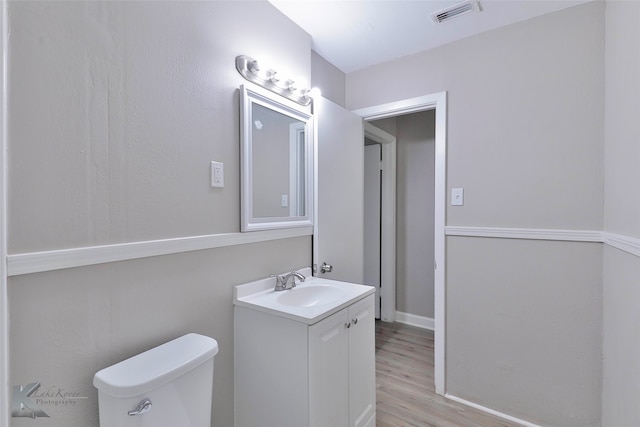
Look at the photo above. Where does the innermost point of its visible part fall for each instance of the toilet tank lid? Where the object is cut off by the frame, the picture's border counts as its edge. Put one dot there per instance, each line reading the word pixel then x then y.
pixel 156 367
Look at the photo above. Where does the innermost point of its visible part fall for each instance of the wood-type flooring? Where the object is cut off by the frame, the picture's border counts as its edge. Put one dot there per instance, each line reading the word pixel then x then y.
pixel 405 391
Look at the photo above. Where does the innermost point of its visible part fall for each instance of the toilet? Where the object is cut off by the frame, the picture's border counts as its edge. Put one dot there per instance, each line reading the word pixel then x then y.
pixel 167 386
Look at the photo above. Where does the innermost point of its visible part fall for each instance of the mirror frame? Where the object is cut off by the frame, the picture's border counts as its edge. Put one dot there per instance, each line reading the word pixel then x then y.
pixel 256 95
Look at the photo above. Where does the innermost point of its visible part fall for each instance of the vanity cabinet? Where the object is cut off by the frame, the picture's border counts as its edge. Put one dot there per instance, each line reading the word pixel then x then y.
pixel 342 367
pixel 292 374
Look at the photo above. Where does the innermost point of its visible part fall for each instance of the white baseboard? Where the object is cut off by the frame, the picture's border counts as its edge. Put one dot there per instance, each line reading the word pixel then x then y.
pixel 491 411
pixel 413 320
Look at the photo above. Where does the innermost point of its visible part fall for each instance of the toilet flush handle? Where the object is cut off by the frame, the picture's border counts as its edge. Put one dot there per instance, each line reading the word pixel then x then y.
pixel 142 408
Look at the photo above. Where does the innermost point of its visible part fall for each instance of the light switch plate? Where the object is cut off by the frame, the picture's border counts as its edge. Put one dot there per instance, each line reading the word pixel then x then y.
pixel 284 202
pixel 457 196
pixel 217 174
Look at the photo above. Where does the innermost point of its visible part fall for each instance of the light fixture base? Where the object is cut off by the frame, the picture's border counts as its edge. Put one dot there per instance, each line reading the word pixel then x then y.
pixel 247 67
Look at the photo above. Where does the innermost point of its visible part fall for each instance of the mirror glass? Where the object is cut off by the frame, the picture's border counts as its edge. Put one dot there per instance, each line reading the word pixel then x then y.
pixel 277 162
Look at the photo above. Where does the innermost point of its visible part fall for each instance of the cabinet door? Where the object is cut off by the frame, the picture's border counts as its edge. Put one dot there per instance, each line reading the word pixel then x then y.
pixel 362 363
pixel 328 371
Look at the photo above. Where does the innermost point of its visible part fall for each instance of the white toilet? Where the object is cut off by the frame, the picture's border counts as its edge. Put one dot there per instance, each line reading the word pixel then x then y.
pixel 167 386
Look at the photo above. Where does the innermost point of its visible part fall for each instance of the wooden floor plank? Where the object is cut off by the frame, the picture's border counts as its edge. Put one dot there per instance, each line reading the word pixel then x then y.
pixel 405 389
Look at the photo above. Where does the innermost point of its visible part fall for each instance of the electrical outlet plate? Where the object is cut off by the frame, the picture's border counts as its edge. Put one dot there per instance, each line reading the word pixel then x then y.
pixel 217 174
pixel 457 196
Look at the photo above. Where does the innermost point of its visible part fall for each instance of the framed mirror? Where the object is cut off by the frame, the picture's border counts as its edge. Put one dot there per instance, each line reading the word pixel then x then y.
pixel 276 162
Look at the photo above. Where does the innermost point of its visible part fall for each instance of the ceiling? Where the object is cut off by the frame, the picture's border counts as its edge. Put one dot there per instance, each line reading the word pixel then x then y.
pixel 355 34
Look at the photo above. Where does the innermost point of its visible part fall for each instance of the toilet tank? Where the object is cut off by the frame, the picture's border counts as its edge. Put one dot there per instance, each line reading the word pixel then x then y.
pixel 167 386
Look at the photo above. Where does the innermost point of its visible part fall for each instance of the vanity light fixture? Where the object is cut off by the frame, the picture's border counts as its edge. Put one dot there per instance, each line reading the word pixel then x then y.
pixel 249 68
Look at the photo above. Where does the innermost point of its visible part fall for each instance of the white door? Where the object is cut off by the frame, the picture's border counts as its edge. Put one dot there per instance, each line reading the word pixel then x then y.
pixel 339 229
pixel 372 223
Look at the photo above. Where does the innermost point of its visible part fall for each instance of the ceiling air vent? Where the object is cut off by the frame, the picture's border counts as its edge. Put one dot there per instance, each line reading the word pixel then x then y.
pixel 455 11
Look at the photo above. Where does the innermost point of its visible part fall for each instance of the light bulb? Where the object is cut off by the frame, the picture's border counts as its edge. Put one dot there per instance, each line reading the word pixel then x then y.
pixel 271 76
pixel 254 67
pixel 290 84
pixel 315 92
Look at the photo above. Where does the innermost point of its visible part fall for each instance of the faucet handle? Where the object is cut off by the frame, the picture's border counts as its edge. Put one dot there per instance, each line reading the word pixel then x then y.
pixel 279 281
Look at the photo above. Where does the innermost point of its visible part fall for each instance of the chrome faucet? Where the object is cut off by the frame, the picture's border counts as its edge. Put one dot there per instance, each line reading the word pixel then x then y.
pixel 287 281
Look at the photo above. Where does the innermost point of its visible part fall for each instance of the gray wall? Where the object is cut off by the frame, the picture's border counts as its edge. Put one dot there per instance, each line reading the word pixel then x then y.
pixel 415 155
pixel 525 140
pixel 328 78
pixel 524 327
pixel 621 373
pixel 66 325
pixel 115 110
pixel 525 108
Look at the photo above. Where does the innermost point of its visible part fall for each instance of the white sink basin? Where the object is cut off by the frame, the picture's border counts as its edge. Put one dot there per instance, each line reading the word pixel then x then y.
pixel 310 295
pixel 309 302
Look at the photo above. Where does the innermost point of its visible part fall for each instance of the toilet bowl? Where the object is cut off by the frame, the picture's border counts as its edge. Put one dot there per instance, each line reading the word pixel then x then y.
pixel 167 386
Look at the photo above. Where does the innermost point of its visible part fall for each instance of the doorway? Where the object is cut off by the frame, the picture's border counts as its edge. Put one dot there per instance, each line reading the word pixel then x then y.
pixel 435 102
pixel 380 219
pixel 413 136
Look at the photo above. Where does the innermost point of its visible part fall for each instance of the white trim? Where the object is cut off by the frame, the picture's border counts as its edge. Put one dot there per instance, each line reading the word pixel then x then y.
pixel 388 220
pixel 407 106
pixel 439 241
pixel 491 411
pixel 624 243
pixel 5 388
pixel 437 101
pixel 315 245
pixel 259 96
pixel 77 257
pixel 376 134
pixel 417 321
pixel 526 233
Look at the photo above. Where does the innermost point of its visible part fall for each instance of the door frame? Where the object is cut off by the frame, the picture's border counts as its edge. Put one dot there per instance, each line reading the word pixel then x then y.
pixel 5 389
pixel 387 220
pixel 437 102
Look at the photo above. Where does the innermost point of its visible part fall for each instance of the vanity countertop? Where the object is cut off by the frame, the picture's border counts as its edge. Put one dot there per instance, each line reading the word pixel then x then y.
pixel 309 302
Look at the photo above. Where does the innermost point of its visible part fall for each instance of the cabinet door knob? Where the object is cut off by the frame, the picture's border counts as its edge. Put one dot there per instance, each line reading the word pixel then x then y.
pixel 355 321
pixel 347 325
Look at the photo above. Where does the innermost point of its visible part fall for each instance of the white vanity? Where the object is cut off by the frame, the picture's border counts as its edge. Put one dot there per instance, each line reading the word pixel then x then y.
pixel 304 356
